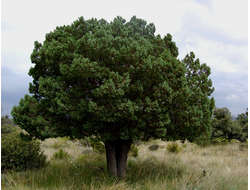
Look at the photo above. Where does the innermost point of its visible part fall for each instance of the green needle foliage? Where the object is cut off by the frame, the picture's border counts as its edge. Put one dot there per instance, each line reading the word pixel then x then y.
pixel 116 81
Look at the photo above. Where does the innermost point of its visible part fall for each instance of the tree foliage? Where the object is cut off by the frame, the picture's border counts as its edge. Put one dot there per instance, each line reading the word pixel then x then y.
pixel 223 125
pixel 243 121
pixel 117 81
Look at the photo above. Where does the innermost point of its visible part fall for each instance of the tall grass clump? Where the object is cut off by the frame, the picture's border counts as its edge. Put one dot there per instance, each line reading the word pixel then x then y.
pixel 174 147
pixel 61 154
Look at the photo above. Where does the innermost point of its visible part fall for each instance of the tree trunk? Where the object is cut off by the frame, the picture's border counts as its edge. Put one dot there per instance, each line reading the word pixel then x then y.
pixel 122 148
pixel 111 159
pixel 116 154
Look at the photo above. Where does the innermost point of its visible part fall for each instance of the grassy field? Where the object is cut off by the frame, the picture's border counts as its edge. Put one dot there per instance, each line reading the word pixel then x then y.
pixel 194 167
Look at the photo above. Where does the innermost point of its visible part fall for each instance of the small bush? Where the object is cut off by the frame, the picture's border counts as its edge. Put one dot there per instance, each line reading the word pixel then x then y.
pixel 97 146
pixel 133 151
pixel 234 141
pixel 84 142
pixel 243 146
pixel 219 141
pixel 6 121
pixel 20 155
pixel 174 147
pixel 153 147
pixel 61 154
pixel 8 128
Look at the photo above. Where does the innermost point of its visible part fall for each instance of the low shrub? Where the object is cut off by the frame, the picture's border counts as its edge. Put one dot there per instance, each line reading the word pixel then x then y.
pixel 243 146
pixel 8 128
pixel 174 147
pixel 19 155
pixel 234 141
pixel 220 140
pixel 133 151
pixel 153 147
pixel 84 142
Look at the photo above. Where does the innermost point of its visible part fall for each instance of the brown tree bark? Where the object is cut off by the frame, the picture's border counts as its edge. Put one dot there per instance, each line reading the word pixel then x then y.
pixel 111 159
pixel 116 154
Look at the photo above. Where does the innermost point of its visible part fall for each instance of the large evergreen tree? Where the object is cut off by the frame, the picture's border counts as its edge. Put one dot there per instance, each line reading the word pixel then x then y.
pixel 118 82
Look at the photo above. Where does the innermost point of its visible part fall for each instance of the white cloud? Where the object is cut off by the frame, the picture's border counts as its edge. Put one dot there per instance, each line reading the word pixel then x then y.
pixel 232 16
pixel 221 57
pixel 232 97
pixel 227 17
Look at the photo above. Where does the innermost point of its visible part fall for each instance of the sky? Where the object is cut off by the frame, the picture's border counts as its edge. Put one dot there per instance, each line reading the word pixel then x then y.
pixel 215 30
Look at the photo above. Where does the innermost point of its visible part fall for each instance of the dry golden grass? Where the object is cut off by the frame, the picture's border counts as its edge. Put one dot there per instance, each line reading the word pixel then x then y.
pixel 205 166
pixel 52 145
pixel 212 167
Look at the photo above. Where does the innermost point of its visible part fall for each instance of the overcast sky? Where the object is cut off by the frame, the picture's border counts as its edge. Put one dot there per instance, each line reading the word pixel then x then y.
pixel 215 30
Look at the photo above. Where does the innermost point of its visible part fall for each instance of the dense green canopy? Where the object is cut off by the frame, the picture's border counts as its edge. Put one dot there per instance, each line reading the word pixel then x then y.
pixel 115 80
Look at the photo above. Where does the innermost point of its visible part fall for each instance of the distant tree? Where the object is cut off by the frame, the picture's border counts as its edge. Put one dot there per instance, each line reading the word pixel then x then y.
pixel 243 121
pixel 118 82
pixel 243 118
pixel 5 120
pixel 223 126
pixel 7 125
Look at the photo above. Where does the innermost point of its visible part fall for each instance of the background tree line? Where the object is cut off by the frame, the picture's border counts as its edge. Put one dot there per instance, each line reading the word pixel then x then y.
pixel 224 126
